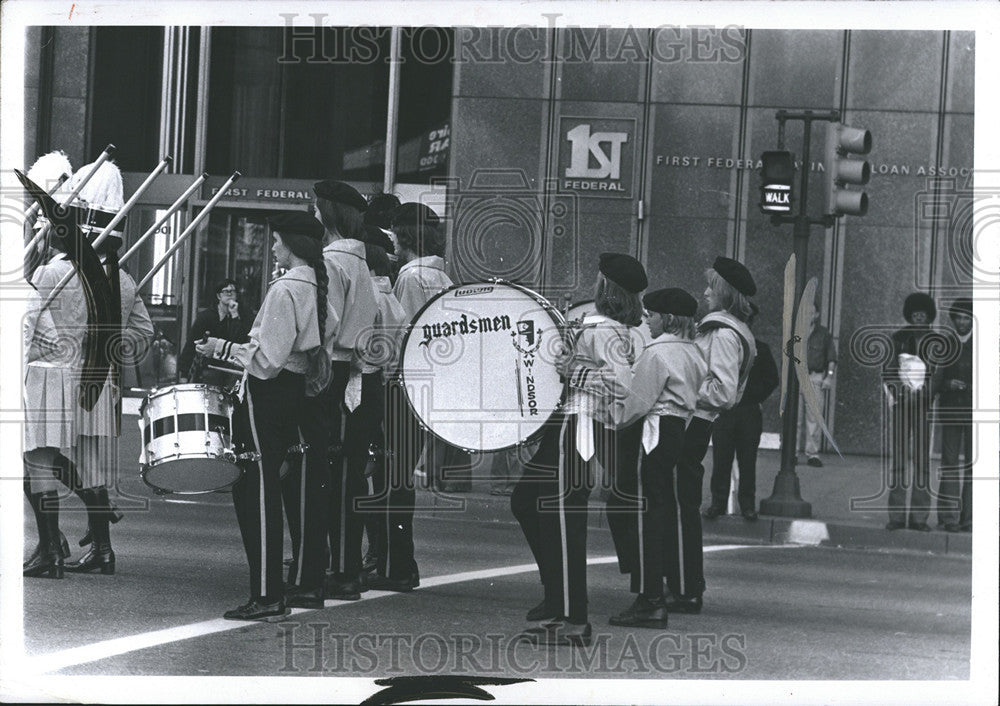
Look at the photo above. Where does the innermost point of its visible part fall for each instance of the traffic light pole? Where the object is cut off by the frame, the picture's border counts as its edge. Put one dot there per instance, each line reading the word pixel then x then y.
pixel 786 499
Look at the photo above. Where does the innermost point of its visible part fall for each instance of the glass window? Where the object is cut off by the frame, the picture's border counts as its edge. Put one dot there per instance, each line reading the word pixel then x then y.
pixel 305 106
pixel 425 88
pixel 126 92
pixel 237 246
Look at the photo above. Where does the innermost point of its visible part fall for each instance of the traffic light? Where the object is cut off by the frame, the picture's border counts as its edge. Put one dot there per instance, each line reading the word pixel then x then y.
pixel 841 142
pixel 776 174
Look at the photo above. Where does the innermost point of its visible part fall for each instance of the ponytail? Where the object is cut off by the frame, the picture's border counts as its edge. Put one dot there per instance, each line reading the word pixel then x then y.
pixel 322 285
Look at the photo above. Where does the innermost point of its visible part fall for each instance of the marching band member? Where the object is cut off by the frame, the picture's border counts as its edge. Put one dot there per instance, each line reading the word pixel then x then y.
pixel 662 390
pixel 99 429
pixel 352 296
pixel 379 361
pixel 552 507
pixel 53 339
pixel 728 346
pixel 289 330
pixel 421 276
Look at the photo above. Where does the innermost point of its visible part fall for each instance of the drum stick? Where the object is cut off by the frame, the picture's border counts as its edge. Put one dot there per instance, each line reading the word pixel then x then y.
pixel 517 379
pixel 122 212
pixel 187 231
pixel 35 207
pixel 105 156
pixel 174 207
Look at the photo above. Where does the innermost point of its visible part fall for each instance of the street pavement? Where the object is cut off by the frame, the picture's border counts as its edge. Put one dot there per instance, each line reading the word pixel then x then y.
pixel 784 601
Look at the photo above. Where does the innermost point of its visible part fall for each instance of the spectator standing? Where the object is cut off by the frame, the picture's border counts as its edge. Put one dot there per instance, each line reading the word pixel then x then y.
pixel 221 321
pixel 954 385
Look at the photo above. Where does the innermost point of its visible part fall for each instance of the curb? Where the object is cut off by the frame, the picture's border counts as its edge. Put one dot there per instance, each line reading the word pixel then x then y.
pixel 766 530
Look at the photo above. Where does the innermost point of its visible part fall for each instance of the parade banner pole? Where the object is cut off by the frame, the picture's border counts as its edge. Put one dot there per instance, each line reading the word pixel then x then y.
pixel 174 207
pixel 187 231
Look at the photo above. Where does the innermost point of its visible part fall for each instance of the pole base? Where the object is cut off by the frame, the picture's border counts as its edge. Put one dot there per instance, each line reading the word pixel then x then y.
pixel 785 500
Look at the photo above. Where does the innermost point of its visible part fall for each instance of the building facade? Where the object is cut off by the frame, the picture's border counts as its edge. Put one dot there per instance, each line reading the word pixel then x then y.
pixel 542 148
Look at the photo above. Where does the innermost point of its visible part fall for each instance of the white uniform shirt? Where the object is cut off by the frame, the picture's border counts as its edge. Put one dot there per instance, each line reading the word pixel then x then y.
pixel 351 294
pixel 418 281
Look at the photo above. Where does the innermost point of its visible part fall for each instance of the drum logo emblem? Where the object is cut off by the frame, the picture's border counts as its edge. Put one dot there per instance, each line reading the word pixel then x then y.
pixel 532 337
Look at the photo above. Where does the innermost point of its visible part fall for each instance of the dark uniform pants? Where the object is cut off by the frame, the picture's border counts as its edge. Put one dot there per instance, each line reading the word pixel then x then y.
pixel 683 559
pixel 624 501
pixel 404 438
pixel 351 433
pixel 910 436
pixel 655 473
pixel 955 492
pixel 736 433
pixel 306 492
pixel 550 504
pixel 266 422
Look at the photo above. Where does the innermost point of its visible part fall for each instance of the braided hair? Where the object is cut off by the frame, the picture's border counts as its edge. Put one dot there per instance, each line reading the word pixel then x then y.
pixel 311 251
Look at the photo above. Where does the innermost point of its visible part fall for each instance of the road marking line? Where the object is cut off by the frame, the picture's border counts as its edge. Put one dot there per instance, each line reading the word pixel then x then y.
pixel 54 661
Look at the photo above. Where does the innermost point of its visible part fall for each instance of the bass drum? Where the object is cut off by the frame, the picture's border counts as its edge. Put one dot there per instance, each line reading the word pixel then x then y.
pixel 478 365
pixel 640 333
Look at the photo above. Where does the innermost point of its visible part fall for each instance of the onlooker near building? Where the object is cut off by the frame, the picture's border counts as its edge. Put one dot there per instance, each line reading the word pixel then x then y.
pixel 220 321
pixel 954 387
pixel 821 360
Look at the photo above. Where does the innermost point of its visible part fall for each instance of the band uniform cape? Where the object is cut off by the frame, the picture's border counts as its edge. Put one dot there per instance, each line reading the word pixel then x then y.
pixel 103 317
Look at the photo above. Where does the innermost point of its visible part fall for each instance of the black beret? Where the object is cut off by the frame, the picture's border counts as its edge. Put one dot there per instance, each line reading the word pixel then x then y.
pixel 671 301
pixel 961 306
pixel 380 208
pixel 297 223
pixel 736 274
pixel 624 270
pixel 377 236
pixel 341 193
pixel 413 213
pixel 918 301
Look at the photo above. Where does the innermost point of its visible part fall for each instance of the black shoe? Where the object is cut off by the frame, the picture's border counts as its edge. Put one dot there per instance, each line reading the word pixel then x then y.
pixel 96 559
pixel 893 525
pixel 254 610
pixel 643 613
pixel 296 597
pixel 713 511
pixel 920 526
pixel 952 527
pixel 750 515
pixel 343 590
pixel 49 561
pixel 815 462
pixel 565 634
pixel 683 604
pixel 541 612
pixel 63 550
pixel 384 583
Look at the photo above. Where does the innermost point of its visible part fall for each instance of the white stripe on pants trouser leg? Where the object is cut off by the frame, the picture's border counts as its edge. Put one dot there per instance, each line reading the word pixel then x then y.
pixel 263 515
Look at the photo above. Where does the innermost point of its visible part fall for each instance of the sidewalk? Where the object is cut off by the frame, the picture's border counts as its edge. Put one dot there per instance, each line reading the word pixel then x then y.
pixel 848 508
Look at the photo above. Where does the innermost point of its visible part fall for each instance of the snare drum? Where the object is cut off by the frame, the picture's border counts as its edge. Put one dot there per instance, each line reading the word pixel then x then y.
pixel 187 435
pixel 640 333
pixel 478 365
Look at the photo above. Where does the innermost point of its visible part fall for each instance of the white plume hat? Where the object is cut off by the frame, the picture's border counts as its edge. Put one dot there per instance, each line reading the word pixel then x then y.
pixel 48 168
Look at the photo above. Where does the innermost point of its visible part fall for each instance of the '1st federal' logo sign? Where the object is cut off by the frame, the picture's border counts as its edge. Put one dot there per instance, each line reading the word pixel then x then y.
pixel 596 156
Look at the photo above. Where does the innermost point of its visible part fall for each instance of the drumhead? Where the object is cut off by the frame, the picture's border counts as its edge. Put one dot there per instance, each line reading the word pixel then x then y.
pixel 192 476
pixel 640 333
pixel 478 365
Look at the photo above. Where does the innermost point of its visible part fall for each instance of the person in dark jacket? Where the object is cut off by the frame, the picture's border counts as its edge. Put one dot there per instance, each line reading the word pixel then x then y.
pixel 954 385
pixel 737 433
pixel 221 321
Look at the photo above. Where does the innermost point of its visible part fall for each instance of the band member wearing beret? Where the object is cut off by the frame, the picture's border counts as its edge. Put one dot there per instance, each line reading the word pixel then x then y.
pixel 421 276
pixel 954 385
pixel 379 363
pixel 661 393
pixel 906 379
pixel 736 434
pixel 352 296
pixel 729 348
pixel 290 329
pixel 552 507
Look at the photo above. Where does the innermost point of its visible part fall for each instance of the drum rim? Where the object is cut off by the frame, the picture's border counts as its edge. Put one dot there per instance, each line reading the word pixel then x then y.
pixel 163 491
pixel 399 378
